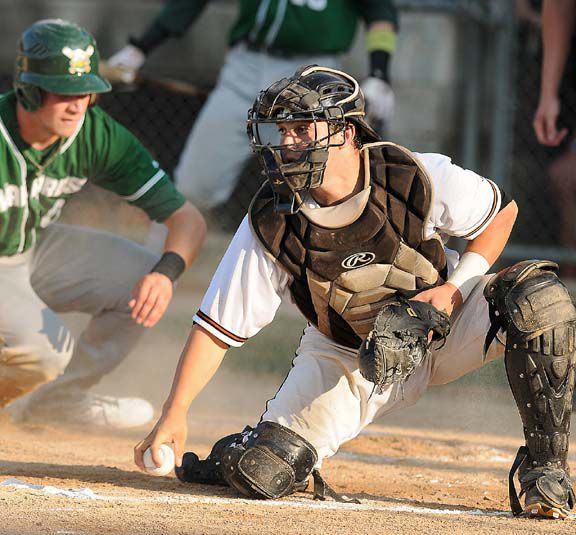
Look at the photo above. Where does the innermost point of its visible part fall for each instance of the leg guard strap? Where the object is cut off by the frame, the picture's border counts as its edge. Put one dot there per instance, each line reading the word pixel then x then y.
pixel 548 487
pixel 208 471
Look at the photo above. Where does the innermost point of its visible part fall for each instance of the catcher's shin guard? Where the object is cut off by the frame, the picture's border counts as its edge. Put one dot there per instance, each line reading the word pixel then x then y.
pixel 534 307
pixel 270 462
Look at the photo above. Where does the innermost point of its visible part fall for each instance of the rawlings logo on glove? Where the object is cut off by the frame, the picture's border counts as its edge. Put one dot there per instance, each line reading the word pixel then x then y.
pixel 399 342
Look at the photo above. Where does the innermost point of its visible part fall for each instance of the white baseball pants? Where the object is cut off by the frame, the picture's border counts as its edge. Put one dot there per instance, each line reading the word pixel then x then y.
pixel 326 400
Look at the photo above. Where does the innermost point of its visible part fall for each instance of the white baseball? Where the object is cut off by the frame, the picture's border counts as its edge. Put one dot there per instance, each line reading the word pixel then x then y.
pixel 166 454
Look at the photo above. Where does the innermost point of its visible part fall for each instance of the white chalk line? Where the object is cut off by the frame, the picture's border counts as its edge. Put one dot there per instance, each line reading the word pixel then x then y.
pixel 366 505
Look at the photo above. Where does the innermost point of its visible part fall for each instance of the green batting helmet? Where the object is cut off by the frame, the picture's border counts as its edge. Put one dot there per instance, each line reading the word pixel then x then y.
pixel 57 56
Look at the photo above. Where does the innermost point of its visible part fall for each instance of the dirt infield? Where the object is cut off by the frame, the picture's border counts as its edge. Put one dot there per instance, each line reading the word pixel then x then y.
pixel 438 467
pixel 419 472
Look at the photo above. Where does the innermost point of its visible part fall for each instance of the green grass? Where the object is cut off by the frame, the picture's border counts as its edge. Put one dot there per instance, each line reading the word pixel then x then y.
pixel 272 350
pixel 492 374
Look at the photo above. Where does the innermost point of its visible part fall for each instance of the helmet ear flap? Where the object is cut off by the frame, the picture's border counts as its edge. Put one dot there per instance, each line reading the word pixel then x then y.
pixel 29 96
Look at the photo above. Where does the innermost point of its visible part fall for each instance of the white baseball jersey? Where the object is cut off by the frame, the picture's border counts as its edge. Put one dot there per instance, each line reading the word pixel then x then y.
pixel 249 286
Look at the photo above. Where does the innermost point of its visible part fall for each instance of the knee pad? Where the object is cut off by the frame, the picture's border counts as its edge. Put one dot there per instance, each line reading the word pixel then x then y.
pixel 270 462
pixel 528 299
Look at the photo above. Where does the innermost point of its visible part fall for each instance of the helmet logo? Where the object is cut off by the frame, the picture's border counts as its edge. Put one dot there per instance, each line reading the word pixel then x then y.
pixel 79 59
pixel 357 260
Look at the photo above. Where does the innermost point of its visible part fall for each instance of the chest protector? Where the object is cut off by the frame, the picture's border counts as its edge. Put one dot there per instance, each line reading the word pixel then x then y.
pixel 339 277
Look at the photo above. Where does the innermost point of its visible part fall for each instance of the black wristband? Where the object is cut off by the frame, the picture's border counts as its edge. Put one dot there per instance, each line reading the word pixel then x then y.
pixel 171 264
pixel 154 36
pixel 380 65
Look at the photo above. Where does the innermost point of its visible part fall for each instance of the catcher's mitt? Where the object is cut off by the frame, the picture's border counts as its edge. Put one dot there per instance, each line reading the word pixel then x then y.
pixel 399 343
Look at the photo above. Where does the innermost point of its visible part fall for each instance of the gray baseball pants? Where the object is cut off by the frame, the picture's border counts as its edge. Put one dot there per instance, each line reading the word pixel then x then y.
pixel 71 269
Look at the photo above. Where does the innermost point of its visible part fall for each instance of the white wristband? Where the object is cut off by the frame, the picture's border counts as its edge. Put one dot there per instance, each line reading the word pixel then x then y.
pixel 468 272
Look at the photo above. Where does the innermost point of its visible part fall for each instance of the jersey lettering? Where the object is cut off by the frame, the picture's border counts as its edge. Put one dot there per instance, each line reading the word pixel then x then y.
pixel 53 214
pixel 10 196
pixel 55 187
pixel 314 5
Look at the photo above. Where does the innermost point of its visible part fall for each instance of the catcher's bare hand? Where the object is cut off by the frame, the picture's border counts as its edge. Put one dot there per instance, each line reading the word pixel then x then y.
pixel 170 429
pixel 150 298
pixel 446 297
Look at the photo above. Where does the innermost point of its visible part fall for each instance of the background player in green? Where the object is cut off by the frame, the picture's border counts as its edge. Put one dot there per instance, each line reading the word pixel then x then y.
pixel 269 40
pixel 52 141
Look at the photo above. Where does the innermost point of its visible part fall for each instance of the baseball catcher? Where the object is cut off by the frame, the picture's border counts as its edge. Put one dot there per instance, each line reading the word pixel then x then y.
pixel 346 226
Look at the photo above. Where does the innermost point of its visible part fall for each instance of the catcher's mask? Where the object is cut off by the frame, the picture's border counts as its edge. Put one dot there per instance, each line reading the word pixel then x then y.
pixel 56 56
pixel 312 96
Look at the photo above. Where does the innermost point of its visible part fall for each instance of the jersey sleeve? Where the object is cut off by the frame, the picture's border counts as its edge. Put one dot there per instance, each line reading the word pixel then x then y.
pixel 464 203
pixel 245 292
pixel 122 165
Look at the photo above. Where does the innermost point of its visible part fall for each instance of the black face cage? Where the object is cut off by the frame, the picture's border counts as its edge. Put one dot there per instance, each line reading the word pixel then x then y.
pixel 292 179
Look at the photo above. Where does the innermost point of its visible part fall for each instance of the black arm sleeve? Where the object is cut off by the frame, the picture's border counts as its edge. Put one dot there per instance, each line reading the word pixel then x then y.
pixel 172 21
pixel 378 10
pixel 505 199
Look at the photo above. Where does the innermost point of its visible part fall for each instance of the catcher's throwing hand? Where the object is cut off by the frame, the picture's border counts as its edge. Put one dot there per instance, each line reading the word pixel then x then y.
pixel 170 429
pixel 150 298
pixel 446 298
pixel 399 342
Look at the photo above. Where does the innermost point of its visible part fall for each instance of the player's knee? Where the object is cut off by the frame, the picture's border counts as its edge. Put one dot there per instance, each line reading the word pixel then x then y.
pixel 529 299
pixel 189 181
pixel 196 190
pixel 269 463
pixel 138 261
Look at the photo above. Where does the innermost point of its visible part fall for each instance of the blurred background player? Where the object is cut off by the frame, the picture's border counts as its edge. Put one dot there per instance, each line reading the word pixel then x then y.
pixel 558 22
pixel 52 141
pixel 552 121
pixel 268 41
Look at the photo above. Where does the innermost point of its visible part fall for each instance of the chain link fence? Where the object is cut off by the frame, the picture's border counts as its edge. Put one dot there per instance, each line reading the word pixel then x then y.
pixel 162 119
pixel 542 179
pixel 498 95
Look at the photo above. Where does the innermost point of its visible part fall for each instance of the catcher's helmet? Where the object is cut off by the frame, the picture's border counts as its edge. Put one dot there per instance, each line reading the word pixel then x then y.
pixel 315 94
pixel 57 56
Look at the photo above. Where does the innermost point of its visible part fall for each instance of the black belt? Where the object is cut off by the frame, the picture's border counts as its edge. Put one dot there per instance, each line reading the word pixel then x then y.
pixel 276 52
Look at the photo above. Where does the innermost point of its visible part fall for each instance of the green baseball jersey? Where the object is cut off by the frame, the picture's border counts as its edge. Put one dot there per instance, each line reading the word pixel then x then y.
pixel 289 26
pixel 34 185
